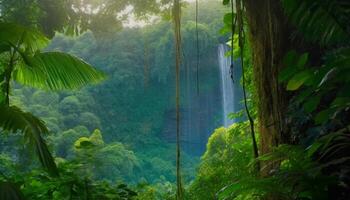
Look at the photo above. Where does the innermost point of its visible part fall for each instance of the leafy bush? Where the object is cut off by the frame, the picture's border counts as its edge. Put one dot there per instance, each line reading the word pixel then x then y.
pixel 228 154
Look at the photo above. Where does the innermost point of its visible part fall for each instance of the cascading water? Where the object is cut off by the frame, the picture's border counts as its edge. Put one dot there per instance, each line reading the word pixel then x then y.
pixel 201 114
pixel 226 84
pixel 231 90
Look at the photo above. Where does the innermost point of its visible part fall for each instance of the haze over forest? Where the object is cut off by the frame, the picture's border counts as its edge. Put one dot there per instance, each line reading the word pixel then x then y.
pixel 171 99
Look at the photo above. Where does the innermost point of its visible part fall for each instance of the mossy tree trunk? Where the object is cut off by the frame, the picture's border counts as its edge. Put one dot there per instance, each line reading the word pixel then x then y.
pixel 269 39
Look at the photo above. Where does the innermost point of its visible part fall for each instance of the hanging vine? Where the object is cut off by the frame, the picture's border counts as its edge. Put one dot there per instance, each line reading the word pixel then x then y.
pixel 241 39
pixel 177 31
pixel 197 47
pixel 146 63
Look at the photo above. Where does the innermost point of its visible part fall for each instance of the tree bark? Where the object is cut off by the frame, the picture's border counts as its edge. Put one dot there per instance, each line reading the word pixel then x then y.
pixel 269 39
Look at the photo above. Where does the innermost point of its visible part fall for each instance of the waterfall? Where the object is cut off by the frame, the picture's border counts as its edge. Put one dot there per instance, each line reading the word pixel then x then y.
pixel 231 91
pixel 201 112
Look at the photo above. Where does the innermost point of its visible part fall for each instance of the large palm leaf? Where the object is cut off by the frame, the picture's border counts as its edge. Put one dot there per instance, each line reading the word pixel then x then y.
pixel 56 71
pixel 14 34
pixel 13 119
pixel 324 21
pixel 51 70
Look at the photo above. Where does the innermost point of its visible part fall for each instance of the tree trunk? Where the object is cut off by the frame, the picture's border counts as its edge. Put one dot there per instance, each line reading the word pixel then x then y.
pixel 269 39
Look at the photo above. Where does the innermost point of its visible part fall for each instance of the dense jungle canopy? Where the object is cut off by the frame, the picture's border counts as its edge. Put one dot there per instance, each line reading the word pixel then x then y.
pixel 174 99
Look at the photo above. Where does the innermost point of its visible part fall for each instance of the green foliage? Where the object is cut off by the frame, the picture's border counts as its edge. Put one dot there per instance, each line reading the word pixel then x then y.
pixel 159 191
pixel 321 21
pixel 115 162
pixel 332 152
pixel 326 25
pixel 90 120
pixel 94 140
pixel 70 185
pixel 41 70
pixel 50 70
pixel 300 174
pixel 69 105
pixel 45 98
pixel 298 177
pixel 49 16
pixel 56 71
pixel 227 23
pixel 321 104
pixel 72 17
pixel 115 107
pixel 65 140
pixel 13 119
pixel 226 159
pixel 12 35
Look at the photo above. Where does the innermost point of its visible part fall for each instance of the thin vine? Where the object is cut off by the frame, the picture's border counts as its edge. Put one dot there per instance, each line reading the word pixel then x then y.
pixel 197 46
pixel 177 30
pixel 241 46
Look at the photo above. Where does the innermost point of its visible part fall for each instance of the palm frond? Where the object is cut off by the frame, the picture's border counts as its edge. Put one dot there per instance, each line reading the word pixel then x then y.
pixel 324 21
pixel 14 34
pixel 13 119
pixel 56 71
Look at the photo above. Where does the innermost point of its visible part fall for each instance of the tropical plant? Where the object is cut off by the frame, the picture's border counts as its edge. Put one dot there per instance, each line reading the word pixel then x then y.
pixel 322 85
pixel 298 177
pixel 115 160
pixel 318 82
pixel 23 61
pixel 325 23
pixel 225 160
pixel 69 185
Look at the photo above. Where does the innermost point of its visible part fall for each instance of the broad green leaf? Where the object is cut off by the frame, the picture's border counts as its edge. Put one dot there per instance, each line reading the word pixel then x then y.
pixel 287 73
pixel 14 120
pixel 298 80
pixel 15 34
pixel 304 94
pixel 302 60
pixel 311 104
pixel 289 58
pixel 290 69
pixel 341 102
pixel 224 30
pixel 57 71
pixel 324 115
pixel 228 19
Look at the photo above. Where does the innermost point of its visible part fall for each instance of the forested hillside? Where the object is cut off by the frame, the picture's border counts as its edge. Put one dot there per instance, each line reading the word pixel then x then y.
pixel 171 99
